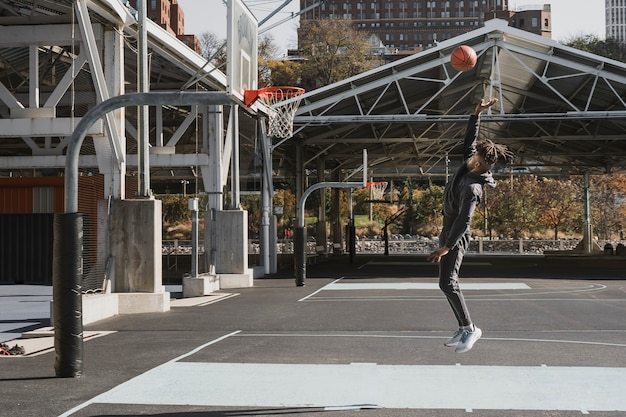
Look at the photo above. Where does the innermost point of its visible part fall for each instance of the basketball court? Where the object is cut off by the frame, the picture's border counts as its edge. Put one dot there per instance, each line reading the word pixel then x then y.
pixel 363 339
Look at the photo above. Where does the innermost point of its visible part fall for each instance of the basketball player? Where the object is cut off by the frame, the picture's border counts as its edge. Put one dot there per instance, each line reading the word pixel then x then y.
pixel 460 198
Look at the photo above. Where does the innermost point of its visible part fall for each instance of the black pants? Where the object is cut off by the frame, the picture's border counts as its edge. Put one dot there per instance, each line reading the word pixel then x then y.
pixel 449 283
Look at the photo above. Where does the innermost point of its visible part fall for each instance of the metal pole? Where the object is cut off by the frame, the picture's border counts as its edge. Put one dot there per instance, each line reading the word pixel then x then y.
pixel 300 232
pixel 193 206
pixel 66 263
pixel 143 86
pixel 351 229
pixel 587 234
pixel 180 98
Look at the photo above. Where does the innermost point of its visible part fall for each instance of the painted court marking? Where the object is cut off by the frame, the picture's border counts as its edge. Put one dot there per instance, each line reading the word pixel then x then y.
pixel 386 386
pixel 337 286
pixel 341 286
pixel 370 385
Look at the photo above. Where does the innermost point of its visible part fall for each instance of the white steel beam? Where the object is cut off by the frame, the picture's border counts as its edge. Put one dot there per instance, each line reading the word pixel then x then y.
pixel 97 73
pixel 90 161
pixel 43 126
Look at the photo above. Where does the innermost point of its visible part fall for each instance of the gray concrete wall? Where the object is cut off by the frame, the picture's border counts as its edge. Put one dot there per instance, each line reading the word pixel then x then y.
pixel 231 248
pixel 136 245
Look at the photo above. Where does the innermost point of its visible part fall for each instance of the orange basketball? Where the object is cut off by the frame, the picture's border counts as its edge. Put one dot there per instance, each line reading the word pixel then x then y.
pixel 463 58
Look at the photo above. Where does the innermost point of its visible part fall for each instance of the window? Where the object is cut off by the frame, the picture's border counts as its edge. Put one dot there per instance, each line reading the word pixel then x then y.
pixel 534 23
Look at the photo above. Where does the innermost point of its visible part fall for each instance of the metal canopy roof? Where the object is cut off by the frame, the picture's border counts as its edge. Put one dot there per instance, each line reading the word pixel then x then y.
pixel 173 66
pixel 561 110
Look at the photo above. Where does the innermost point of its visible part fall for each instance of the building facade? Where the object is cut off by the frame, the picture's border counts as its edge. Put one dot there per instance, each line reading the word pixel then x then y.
pixel 616 19
pixel 414 25
pixel 170 16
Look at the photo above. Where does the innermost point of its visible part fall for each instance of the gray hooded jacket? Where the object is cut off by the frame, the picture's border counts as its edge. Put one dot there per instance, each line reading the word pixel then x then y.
pixel 463 194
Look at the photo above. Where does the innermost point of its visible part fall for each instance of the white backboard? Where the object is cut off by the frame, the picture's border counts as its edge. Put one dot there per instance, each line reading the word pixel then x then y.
pixel 242 49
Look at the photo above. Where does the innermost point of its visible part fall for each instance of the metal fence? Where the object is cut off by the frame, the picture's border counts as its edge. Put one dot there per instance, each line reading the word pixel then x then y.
pixel 400 245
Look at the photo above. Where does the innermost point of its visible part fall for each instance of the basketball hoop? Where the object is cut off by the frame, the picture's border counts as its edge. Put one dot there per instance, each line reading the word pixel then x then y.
pixel 378 189
pixel 280 110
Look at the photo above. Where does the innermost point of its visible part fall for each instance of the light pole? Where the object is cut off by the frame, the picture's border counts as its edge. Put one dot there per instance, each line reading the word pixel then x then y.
pixel 184 183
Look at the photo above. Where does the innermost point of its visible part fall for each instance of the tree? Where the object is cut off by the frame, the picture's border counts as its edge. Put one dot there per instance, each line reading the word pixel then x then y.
pixel 267 52
pixel 213 48
pixel 334 51
pixel 287 200
pixel 609 48
pixel 428 209
pixel 559 202
pixel 608 204
pixel 510 208
pixel 284 72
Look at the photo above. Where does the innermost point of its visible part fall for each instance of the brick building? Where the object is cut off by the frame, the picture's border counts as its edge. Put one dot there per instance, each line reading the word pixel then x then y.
pixel 413 25
pixel 170 16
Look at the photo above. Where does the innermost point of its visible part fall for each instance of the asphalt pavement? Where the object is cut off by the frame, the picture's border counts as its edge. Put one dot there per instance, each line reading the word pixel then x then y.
pixel 360 339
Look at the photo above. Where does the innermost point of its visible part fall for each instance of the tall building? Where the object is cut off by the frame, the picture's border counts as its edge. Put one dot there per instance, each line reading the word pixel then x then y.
pixel 616 19
pixel 414 25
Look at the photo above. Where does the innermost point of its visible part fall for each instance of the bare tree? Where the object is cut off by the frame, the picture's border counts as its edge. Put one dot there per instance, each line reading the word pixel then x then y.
pixel 333 51
pixel 213 48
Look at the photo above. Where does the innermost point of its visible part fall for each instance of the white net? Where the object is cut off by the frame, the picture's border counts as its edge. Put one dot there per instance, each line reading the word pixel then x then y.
pixel 377 189
pixel 282 103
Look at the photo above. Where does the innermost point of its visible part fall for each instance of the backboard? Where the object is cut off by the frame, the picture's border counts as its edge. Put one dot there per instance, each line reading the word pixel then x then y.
pixel 242 49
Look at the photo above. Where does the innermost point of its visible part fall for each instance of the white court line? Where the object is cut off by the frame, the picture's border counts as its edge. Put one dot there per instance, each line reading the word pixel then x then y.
pixel 414 263
pixel 419 336
pixel 313 293
pixel 335 286
pixel 385 386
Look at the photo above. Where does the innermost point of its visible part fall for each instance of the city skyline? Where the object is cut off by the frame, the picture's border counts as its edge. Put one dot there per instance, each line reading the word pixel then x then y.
pixel 567 19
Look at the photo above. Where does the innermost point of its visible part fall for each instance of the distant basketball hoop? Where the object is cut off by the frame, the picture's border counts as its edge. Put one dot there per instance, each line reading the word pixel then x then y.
pixel 378 189
pixel 280 109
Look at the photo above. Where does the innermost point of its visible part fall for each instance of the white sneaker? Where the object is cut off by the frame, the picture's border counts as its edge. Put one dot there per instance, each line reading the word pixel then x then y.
pixel 468 339
pixel 456 337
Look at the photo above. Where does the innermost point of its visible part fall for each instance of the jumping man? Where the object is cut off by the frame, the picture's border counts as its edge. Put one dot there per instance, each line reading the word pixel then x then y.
pixel 460 198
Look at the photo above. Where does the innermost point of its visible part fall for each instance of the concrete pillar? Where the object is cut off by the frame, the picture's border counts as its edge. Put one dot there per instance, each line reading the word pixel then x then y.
pixel 136 245
pixel 231 255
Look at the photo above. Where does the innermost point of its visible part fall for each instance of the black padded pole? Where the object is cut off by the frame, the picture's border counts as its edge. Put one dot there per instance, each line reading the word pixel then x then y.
pixel 67 308
pixel 352 240
pixel 299 250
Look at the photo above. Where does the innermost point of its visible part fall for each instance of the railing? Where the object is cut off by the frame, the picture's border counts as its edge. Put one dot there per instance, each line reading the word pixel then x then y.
pixel 399 244
pixel 423 245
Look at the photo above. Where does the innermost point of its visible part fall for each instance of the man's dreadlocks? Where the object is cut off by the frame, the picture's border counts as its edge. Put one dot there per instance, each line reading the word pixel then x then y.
pixel 491 151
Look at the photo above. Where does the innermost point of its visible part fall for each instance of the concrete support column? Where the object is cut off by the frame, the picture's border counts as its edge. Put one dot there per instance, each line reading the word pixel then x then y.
pixel 136 244
pixel 136 247
pixel 212 178
pixel 231 255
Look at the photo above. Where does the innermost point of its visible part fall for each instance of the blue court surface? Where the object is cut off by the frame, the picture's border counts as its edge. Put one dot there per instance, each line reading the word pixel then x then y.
pixel 357 340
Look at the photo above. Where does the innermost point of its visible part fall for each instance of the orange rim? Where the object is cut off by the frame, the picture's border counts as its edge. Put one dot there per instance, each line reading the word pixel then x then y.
pixel 278 92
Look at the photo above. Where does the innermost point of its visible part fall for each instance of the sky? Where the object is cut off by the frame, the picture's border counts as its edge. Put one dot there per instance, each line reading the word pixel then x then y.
pixel 570 18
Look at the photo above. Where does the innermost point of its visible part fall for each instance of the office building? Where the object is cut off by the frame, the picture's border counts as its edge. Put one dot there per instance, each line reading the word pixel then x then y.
pixel 410 26
pixel 616 19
